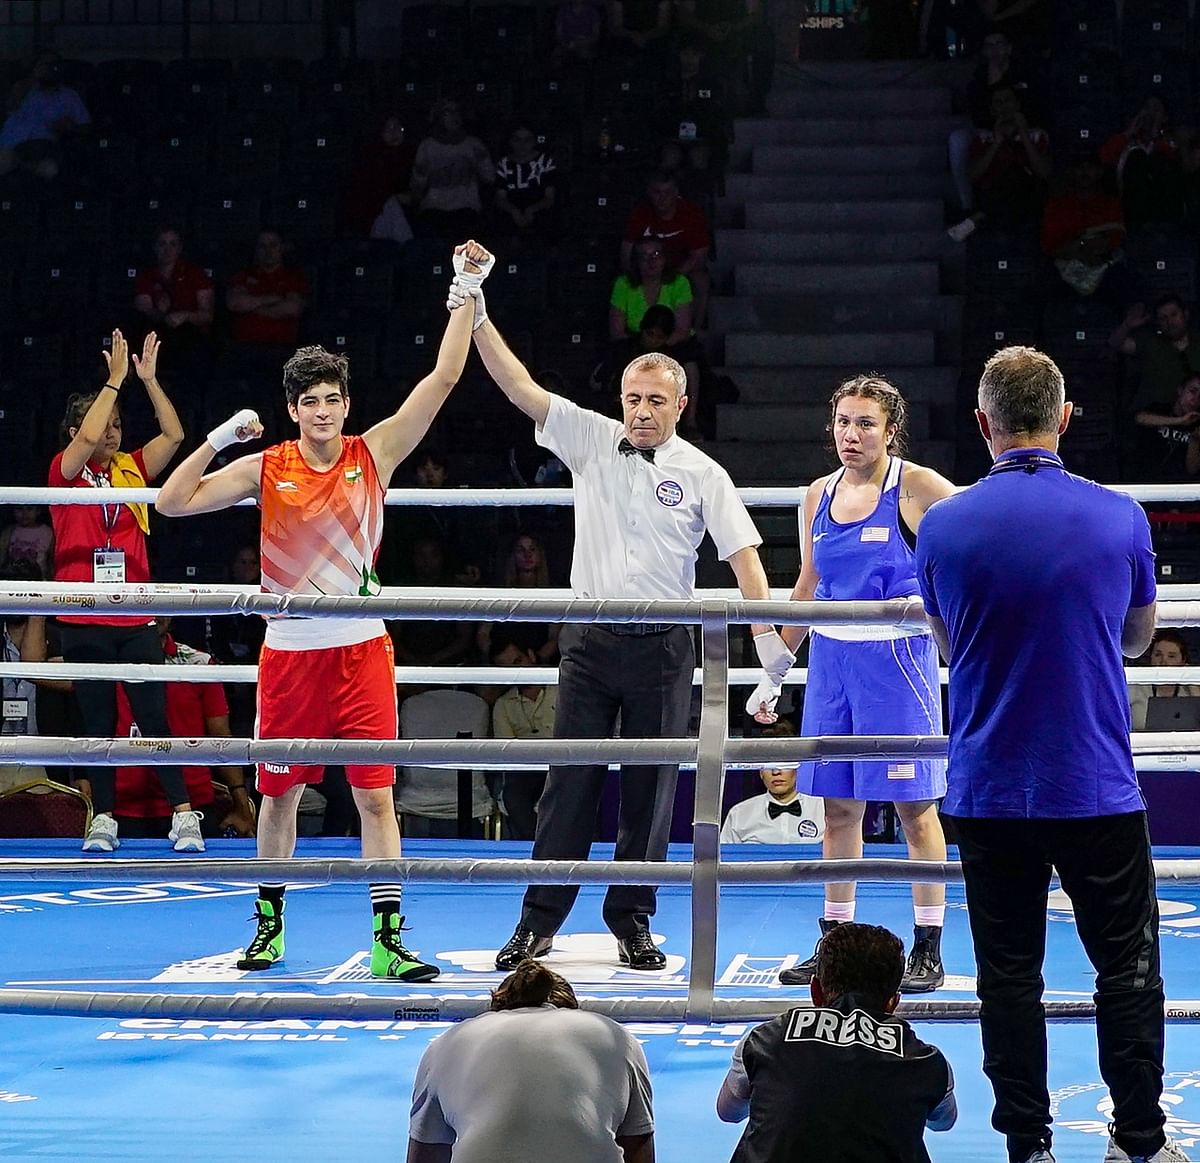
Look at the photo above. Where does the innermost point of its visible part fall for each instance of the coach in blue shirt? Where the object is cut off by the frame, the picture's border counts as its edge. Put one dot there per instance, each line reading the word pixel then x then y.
pixel 1036 583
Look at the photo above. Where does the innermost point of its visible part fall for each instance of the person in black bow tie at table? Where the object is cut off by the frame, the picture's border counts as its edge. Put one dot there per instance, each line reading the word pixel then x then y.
pixel 781 816
pixel 644 499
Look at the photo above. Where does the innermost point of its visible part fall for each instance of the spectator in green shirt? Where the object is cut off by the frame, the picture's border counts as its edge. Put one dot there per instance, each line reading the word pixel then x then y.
pixel 649 283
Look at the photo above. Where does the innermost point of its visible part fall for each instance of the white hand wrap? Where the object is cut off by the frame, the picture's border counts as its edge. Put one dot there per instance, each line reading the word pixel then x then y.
pixel 766 693
pixel 235 430
pixel 472 279
pixel 774 655
pixel 457 296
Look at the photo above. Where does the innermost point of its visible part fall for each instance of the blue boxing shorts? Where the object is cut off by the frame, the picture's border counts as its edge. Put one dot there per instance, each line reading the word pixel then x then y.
pixel 873 688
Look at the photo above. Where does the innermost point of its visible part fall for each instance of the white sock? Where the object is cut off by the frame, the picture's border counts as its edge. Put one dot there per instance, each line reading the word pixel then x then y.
pixel 839 911
pixel 929 916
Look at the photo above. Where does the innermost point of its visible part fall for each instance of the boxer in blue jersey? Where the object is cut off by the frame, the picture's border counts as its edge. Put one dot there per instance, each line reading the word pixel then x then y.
pixel 860 528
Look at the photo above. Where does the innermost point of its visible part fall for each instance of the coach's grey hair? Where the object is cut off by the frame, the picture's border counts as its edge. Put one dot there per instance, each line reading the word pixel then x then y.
pixel 1022 392
pixel 656 361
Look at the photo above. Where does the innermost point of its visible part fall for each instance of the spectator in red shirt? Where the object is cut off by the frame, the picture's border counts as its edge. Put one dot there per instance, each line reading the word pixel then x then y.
pixel 176 296
pixel 1149 167
pixel 683 231
pixel 195 710
pixel 1082 233
pixel 382 171
pixel 1009 167
pixel 267 299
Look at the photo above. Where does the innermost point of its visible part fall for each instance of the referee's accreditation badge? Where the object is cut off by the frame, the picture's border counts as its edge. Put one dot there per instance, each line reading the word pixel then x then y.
pixel 669 493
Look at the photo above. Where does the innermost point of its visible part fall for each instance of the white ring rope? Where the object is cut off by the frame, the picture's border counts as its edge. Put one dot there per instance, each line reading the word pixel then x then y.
pixel 453 675
pixel 470 496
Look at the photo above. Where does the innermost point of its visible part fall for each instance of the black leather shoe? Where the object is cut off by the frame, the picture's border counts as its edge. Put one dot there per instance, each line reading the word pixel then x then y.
pixel 640 951
pixel 803 973
pixel 522 945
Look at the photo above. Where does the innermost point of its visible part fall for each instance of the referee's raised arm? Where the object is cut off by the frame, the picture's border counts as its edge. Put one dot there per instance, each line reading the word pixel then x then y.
pixel 509 372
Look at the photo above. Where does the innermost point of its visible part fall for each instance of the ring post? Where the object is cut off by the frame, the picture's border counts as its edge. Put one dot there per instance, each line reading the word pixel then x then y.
pixel 706 824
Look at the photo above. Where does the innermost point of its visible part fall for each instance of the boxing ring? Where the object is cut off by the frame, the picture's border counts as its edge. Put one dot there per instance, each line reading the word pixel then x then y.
pixel 95 1005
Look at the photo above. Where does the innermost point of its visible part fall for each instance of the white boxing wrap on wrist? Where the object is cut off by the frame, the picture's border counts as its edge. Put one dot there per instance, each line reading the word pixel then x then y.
pixel 235 430
pixel 468 278
pixel 480 309
pixel 774 655
pixel 767 692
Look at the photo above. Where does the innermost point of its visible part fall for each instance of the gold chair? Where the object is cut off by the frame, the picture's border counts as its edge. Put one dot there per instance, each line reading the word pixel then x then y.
pixel 43 809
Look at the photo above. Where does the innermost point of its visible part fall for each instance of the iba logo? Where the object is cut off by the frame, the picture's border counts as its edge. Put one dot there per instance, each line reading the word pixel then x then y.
pixel 1087 1108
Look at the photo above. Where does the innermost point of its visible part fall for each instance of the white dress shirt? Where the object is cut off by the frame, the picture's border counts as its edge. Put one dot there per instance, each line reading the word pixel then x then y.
pixel 639 524
pixel 750 823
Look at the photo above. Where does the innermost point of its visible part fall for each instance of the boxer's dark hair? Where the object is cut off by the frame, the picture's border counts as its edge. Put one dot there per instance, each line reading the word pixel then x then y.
pixel 311 366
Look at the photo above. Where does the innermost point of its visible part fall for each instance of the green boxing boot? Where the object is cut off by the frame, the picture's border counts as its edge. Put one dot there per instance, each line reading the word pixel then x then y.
pixel 389 958
pixel 267 947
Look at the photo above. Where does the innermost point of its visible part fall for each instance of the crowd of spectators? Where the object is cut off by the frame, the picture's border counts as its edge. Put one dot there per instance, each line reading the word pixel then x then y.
pixel 281 203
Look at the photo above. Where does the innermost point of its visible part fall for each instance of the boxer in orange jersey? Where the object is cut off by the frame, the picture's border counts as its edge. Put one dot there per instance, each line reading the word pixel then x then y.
pixel 322 518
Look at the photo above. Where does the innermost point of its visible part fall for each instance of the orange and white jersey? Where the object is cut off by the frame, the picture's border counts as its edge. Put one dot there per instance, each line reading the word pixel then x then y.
pixel 320 535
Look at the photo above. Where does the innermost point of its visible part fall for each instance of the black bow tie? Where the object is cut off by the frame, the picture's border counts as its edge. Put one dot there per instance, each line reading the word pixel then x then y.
pixel 775 810
pixel 628 448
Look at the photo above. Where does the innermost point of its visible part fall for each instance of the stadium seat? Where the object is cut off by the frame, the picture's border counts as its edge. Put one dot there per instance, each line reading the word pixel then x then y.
pixel 55 288
pixel 410 349
pixel 1155 25
pixel 520 286
pixel 318 153
pixel 135 219
pixel 177 161
pixel 38 358
pixel 1162 74
pixel 272 101
pixel 20 221
pixel 107 159
pixel 343 90
pixel 126 92
pixel 582 275
pixel 301 216
pixel 79 221
pixel 247 158
pixel 1084 77
pixel 503 31
pixel 226 221
pixel 1003 264
pixel 1075 332
pixel 346 337
pixel 362 285
pixel 1162 261
pixel 989 325
pixel 21 464
pixel 437 30
pixel 198 92
pixel 425 274
pixel 1089 24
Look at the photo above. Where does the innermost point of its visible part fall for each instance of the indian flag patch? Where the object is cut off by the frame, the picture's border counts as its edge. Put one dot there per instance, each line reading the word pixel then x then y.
pixel 354 474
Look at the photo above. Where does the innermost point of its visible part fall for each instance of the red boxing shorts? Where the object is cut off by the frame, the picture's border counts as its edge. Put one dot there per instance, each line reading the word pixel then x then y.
pixel 343 692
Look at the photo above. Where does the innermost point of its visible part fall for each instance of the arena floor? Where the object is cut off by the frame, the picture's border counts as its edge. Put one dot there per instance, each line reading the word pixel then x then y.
pixel 148 1089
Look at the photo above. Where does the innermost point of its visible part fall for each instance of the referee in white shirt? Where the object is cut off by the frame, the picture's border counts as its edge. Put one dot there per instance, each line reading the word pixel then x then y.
pixel 643 501
pixel 780 816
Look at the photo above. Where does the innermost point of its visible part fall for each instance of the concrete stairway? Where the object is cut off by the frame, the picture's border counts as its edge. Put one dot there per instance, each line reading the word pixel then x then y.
pixel 829 253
